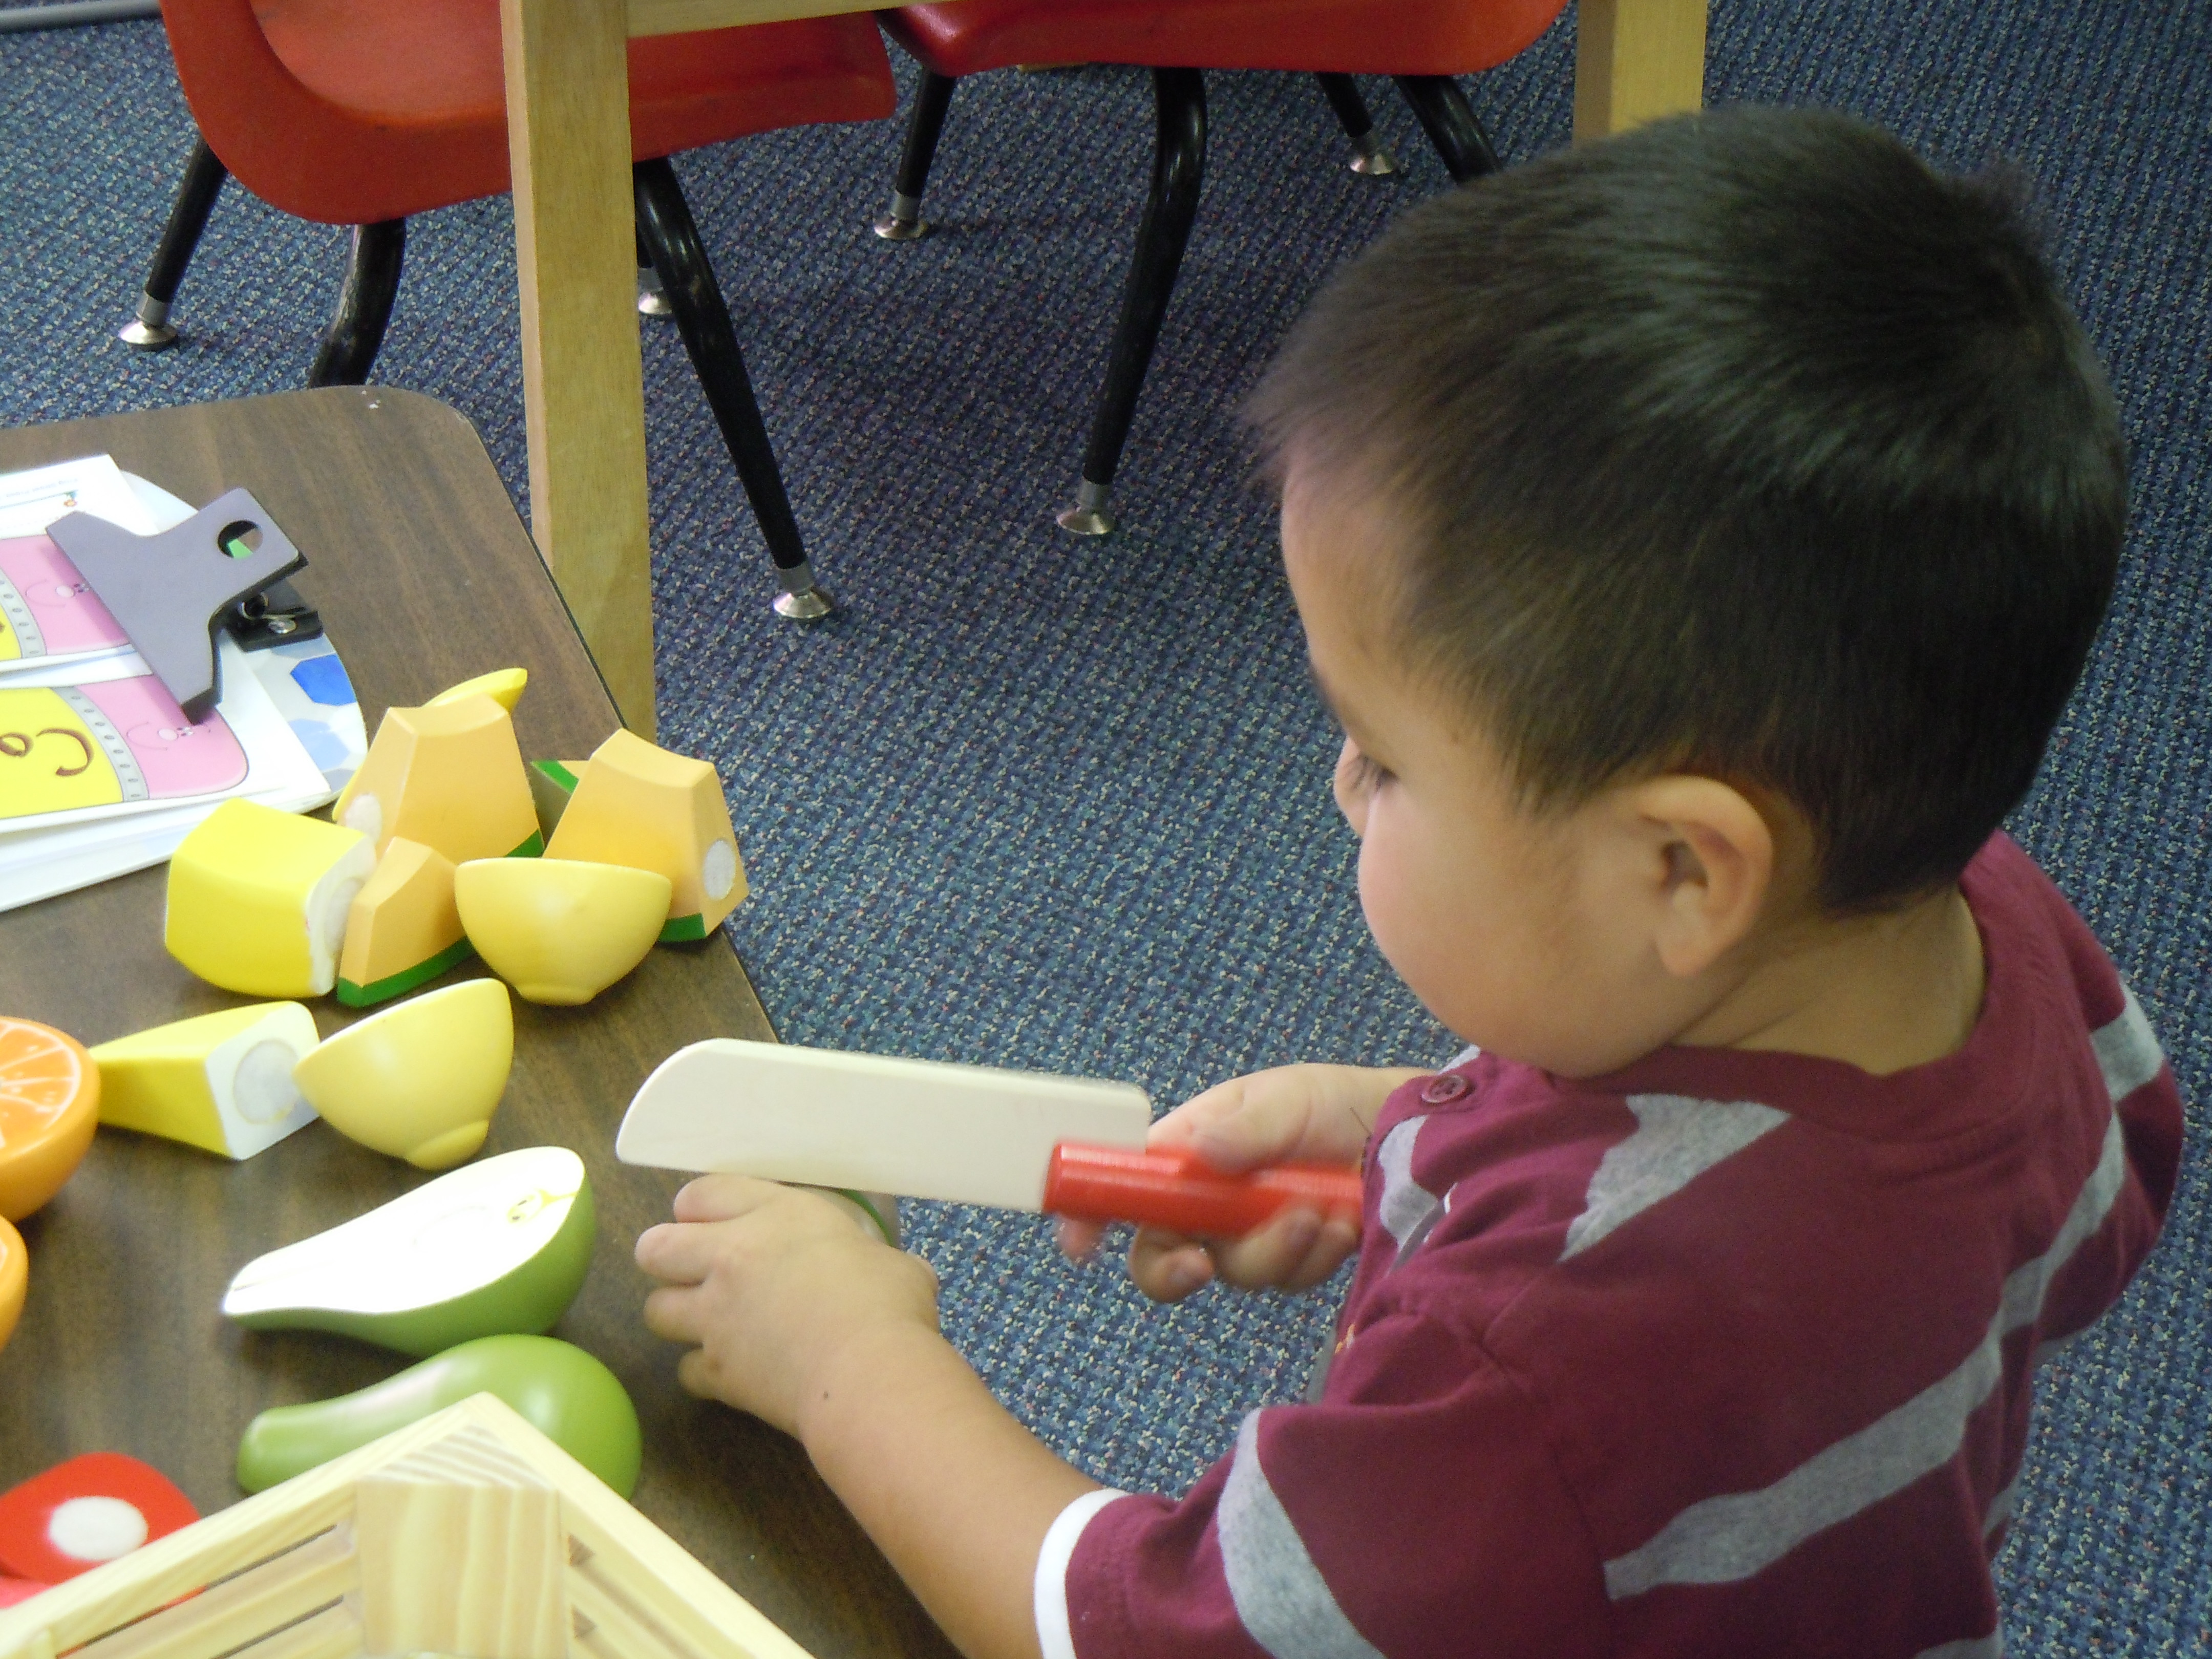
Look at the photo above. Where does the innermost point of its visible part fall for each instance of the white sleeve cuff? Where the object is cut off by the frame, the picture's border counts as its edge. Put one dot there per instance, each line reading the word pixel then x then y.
pixel 1054 1635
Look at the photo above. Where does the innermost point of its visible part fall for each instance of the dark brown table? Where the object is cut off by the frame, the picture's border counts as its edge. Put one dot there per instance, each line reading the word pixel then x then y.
pixel 424 576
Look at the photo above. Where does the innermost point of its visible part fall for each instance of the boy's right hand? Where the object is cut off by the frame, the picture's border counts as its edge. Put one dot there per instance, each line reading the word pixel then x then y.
pixel 1291 1114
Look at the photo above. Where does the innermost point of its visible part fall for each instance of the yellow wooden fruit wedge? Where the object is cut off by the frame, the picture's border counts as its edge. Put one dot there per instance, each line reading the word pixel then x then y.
pixel 257 899
pixel 448 775
pixel 503 685
pixel 222 1082
pixel 421 1080
pixel 637 804
pixel 559 931
pixel 404 930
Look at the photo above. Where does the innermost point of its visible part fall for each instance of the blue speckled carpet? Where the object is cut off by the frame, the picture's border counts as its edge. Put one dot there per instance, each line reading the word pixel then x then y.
pixel 1064 805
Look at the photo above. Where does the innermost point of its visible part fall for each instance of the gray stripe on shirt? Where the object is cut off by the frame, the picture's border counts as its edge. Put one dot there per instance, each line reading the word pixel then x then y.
pixel 2127 1050
pixel 1285 1604
pixel 1676 1140
pixel 1406 1204
pixel 1721 1539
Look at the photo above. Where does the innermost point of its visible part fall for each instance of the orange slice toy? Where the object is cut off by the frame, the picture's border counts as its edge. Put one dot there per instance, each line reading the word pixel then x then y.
pixel 49 1106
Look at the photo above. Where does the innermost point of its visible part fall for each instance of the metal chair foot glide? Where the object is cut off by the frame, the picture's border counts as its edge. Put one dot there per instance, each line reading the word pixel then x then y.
pixel 150 330
pixel 904 222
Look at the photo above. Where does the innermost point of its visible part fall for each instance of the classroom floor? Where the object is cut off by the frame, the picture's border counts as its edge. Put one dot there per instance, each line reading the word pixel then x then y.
pixel 1064 805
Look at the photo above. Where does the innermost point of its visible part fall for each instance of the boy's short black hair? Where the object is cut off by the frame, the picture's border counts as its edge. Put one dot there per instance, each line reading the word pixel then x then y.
pixel 1742 444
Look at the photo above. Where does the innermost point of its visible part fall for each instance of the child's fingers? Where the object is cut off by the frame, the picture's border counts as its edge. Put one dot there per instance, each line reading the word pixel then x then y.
pixel 1167 1267
pixel 1335 1240
pixel 672 1312
pixel 723 1197
pixel 696 1374
pixel 1272 1255
pixel 678 1253
pixel 1078 1240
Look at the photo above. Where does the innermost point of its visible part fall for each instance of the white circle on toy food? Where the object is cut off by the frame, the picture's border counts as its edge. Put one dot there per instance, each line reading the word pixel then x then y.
pixel 95 1528
pixel 262 1091
pixel 720 872
pixel 365 812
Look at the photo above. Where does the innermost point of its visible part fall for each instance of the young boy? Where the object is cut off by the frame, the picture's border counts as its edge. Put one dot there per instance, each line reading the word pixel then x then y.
pixel 1696 536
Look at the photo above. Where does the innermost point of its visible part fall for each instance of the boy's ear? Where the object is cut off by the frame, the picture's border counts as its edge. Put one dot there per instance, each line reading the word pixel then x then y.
pixel 1709 867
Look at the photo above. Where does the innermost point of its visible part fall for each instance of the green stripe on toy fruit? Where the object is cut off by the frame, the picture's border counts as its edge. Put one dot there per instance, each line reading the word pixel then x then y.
pixel 569 1396
pixel 494 1248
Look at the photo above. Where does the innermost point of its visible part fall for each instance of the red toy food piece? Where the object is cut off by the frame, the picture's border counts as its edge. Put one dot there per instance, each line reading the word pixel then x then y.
pixel 85 1512
pixel 13 1590
pixel 1179 1190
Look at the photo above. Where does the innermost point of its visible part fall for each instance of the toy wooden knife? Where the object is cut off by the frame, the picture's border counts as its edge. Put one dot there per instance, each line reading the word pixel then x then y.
pixel 968 1134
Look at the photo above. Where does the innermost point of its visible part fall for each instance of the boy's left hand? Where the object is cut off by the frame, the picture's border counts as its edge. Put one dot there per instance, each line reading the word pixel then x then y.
pixel 773 1285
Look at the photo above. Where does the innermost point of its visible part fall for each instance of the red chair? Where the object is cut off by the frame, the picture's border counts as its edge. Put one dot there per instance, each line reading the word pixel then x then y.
pixel 1423 44
pixel 362 112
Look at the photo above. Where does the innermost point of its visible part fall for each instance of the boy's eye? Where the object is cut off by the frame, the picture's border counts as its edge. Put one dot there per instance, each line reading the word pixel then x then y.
pixel 1367 772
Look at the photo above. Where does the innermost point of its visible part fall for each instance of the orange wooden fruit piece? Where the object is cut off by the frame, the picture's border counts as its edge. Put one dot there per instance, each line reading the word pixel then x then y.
pixel 49 1106
pixel 15 1276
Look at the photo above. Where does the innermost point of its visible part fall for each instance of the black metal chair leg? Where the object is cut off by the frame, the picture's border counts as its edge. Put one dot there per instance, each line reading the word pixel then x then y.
pixel 1451 123
pixel 665 226
pixel 1178 170
pixel 651 301
pixel 904 222
pixel 150 330
pixel 372 282
pixel 1369 157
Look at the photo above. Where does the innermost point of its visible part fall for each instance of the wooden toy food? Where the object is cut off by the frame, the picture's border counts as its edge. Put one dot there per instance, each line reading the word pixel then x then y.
pixel 91 1509
pixel 636 803
pixel 498 1247
pixel 49 1106
pixel 257 899
pixel 559 931
pixel 503 685
pixel 222 1082
pixel 402 930
pixel 570 1397
pixel 420 1080
pixel 15 1279
pixel 449 775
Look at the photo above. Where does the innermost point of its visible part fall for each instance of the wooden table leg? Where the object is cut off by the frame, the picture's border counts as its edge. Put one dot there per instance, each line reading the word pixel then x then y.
pixel 567 113
pixel 1635 60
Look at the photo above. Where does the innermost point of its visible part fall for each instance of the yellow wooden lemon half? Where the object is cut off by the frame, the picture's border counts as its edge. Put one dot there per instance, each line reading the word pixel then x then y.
pixel 421 1080
pixel 560 930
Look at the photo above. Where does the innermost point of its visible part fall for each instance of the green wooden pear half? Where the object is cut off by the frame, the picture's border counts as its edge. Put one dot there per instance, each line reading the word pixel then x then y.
pixel 494 1248
pixel 576 1401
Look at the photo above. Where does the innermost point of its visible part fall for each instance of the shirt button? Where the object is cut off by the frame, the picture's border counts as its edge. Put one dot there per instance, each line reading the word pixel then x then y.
pixel 1448 1087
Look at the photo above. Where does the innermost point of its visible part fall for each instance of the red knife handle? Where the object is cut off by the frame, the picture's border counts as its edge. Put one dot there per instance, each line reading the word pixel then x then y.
pixel 1180 1191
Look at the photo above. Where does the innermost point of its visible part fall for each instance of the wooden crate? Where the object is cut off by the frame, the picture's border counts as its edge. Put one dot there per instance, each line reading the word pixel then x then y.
pixel 468 1534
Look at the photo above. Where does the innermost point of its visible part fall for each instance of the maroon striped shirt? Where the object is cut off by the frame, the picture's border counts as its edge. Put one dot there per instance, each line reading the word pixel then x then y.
pixel 1725 1353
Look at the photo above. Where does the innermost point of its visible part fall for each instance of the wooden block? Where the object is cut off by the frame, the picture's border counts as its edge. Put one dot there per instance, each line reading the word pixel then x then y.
pixel 1637 60
pixel 462 1552
pixel 583 387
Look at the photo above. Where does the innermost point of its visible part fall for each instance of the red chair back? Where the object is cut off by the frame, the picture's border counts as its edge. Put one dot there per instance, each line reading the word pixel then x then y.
pixel 354 112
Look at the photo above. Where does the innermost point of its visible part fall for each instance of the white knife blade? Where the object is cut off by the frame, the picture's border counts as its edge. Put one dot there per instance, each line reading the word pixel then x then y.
pixel 917 1128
